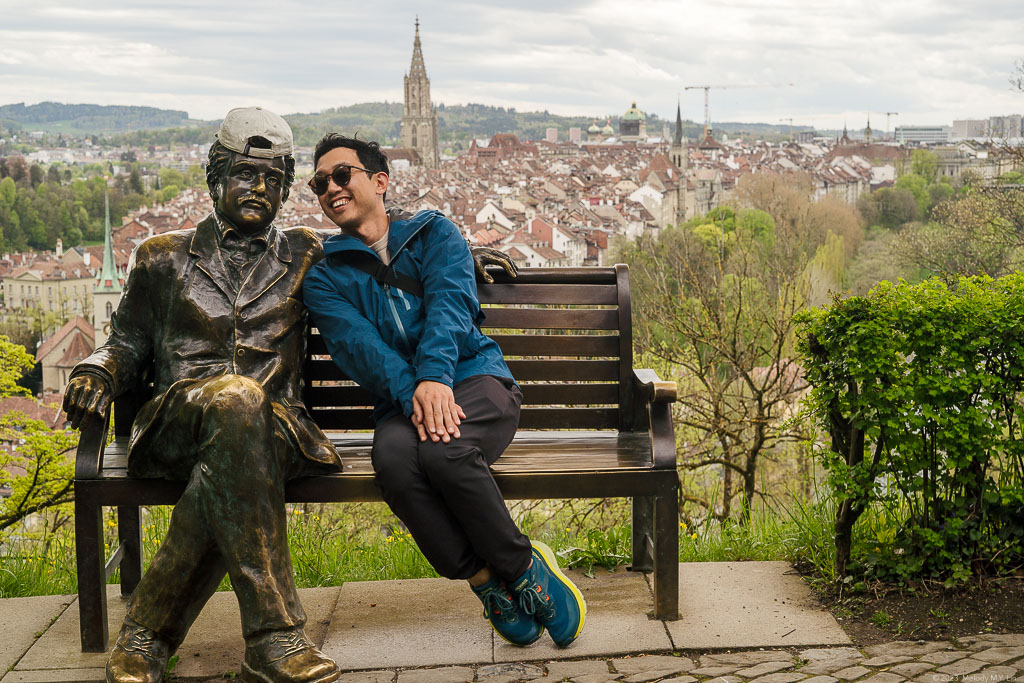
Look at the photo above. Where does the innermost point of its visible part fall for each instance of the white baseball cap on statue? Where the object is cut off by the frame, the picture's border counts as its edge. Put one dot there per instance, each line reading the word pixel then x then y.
pixel 244 123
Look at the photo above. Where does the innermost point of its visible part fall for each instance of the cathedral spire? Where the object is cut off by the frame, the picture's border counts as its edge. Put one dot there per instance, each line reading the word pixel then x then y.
pixel 417 69
pixel 678 139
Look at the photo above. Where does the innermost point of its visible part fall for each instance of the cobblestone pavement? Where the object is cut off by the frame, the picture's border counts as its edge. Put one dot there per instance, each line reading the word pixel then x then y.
pixel 976 659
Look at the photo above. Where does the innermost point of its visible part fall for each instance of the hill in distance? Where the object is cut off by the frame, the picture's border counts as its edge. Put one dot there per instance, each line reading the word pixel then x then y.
pixel 85 119
pixel 457 124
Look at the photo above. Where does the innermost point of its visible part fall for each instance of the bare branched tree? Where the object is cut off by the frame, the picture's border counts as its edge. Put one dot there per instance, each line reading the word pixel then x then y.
pixel 715 305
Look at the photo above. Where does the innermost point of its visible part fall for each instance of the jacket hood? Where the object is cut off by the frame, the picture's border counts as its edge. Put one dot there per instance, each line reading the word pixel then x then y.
pixel 399 234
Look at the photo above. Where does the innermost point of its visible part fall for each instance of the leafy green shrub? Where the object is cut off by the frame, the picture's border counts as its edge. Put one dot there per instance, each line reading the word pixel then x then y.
pixel 920 390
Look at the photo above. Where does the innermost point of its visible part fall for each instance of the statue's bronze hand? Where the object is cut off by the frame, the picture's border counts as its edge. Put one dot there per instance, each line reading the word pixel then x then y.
pixel 485 256
pixel 86 394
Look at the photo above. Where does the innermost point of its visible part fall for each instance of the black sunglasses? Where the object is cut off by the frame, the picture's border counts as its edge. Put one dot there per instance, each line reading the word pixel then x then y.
pixel 341 175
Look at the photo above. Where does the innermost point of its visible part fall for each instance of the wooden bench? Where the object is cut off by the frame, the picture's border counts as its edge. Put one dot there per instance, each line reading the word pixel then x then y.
pixel 591 427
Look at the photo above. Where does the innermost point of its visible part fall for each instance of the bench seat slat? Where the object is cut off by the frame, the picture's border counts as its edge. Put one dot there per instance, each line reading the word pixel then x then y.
pixel 529 418
pixel 533 394
pixel 548 451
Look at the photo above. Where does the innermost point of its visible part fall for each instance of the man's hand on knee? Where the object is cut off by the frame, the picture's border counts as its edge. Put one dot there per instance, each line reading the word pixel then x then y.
pixel 86 394
pixel 435 412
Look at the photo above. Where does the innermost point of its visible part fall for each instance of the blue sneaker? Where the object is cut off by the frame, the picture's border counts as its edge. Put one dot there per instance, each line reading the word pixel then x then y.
pixel 546 593
pixel 505 615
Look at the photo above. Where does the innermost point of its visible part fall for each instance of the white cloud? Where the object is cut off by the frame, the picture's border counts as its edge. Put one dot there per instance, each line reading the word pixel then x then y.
pixel 931 60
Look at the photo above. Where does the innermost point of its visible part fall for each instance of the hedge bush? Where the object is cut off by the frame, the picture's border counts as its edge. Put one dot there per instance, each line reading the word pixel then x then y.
pixel 919 388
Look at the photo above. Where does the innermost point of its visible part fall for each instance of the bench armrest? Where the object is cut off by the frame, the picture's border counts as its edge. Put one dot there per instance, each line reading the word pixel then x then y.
pixel 654 398
pixel 651 388
pixel 91 441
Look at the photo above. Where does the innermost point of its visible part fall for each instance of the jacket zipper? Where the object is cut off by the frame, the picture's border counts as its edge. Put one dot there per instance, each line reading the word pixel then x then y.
pixel 398 319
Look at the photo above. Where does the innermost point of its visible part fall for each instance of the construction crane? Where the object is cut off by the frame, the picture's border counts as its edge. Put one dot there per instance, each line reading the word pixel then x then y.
pixel 707 89
pixel 887 115
pixel 790 119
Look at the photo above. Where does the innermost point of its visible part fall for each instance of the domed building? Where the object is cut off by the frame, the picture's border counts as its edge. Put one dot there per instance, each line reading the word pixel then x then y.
pixel 594 133
pixel 607 131
pixel 633 125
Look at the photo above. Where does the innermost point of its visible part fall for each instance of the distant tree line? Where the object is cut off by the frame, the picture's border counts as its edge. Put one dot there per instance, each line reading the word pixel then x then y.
pixel 40 205
pixel 926 225
pixel 90 117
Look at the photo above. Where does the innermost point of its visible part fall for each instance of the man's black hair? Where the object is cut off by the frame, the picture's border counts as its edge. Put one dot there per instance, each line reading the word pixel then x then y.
pixel 220 161
pixel 370 155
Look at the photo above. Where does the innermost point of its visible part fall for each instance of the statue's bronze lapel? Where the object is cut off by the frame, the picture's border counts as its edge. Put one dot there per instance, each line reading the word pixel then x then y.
pixel 271 268
pixel 206 246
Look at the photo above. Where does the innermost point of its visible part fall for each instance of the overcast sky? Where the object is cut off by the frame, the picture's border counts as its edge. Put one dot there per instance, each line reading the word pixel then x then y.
pixel 930 60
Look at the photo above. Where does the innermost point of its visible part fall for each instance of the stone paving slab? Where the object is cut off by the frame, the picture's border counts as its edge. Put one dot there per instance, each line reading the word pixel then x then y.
pixel 507 672
pixel 617 621
pixel 451 674
pixel 911 669
pixel 764 669
pixel 652 663
pixel 213 647
pixel 54 676
pixel 22 620
pixel 746 658
pixel 748 604
pixel 825 661
pixel 367 677
pixel 408 623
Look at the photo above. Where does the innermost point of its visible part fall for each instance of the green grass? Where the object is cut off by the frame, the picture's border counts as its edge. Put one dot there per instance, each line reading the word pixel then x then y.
pixel 332 544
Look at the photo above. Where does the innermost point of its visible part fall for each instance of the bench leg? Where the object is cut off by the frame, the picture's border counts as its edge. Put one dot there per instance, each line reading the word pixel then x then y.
pixel 129 534
pixel 92 590
pixel 643 534
pixel 666 557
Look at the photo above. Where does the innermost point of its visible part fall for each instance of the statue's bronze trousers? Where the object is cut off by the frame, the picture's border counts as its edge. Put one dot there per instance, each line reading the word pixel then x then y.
pixel 221 435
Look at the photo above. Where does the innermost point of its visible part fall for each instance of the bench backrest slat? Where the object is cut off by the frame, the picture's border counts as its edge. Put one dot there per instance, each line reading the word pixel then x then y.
pixel 594 295
pixel 551 319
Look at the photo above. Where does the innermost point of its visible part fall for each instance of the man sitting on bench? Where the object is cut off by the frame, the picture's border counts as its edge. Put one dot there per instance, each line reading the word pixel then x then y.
pixel 396 304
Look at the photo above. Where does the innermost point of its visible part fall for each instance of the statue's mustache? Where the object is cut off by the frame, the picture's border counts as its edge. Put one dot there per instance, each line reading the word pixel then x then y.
pixel 254 198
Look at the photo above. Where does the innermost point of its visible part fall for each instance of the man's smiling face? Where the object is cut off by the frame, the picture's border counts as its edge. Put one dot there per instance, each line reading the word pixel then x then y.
pixel 350 206
pixel 251 192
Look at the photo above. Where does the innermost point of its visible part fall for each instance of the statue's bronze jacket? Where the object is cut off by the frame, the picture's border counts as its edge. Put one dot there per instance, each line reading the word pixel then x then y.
pixel 179 317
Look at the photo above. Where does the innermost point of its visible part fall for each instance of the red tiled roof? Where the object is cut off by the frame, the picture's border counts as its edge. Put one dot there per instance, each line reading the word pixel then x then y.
pixel 79 323
pixel 79 348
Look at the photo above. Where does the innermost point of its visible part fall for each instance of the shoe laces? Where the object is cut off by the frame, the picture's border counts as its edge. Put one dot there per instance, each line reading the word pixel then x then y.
pixel 287 643
pixel 142 640
pixel 499 602
pixel 533 600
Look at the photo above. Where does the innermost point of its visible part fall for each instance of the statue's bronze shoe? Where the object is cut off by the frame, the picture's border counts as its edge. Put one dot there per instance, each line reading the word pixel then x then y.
pixel 286 657
pixel 138 656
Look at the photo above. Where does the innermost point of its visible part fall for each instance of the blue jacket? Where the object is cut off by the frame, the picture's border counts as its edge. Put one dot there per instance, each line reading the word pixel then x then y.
pixel 388 340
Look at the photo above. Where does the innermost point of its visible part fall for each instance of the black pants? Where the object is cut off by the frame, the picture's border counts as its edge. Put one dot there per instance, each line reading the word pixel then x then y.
pixel 445 493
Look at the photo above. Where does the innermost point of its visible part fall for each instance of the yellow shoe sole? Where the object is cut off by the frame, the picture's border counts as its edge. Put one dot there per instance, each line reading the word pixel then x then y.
pixel 551 562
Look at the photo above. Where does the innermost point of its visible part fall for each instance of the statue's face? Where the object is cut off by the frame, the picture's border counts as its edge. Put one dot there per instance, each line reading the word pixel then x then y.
pixel 251 192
